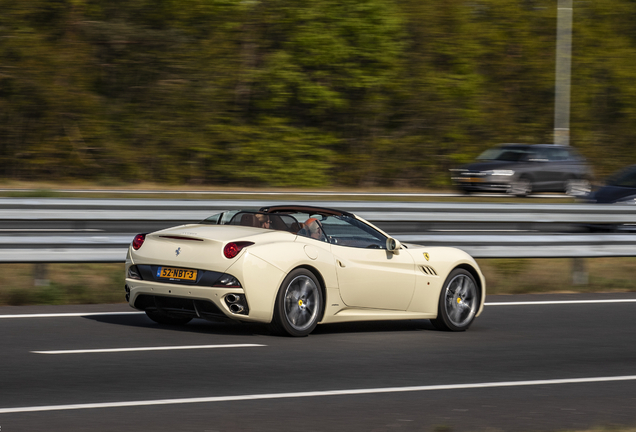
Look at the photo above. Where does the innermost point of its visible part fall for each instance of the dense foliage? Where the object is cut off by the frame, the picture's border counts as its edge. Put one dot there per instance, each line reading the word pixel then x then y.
pixel 304 94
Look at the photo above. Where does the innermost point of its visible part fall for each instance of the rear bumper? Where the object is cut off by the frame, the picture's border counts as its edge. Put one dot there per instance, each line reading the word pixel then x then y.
pixel 259 280
pixel 485 187
pixel 194 301
pixel 180 307
pixel 480 182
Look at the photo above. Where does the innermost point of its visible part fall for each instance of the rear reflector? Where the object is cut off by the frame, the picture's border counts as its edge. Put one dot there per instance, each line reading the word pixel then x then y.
pixel 227 281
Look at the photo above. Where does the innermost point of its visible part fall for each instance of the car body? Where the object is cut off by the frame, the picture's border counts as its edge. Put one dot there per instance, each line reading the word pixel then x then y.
pixel 294 276
pixel 619 189
pixel 519 169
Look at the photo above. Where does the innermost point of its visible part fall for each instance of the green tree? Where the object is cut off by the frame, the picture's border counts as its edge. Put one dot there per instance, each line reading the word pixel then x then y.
pixel 282 93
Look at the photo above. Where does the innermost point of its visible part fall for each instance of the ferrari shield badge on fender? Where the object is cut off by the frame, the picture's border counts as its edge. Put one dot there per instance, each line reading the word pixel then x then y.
pixel 426 256
pixel 178 251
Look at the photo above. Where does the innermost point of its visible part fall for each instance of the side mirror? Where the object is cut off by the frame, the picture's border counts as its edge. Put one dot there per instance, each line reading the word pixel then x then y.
pixel 393 245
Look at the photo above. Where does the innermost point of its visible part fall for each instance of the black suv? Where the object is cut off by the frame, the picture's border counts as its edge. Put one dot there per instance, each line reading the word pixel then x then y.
pixel 519 169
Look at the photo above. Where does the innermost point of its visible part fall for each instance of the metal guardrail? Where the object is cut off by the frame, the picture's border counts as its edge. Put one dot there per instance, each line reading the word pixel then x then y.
pixel 113 248
pixel 63 255
pixel 534 246
pixel 66 230
pixel 194 210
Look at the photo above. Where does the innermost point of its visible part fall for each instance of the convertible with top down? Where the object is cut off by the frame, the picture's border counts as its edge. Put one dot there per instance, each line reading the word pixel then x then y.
pixel 295 267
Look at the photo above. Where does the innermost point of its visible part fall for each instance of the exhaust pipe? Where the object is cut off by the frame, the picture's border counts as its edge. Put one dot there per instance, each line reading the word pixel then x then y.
pixel 232 298
pixel 236 308
pixel 236 303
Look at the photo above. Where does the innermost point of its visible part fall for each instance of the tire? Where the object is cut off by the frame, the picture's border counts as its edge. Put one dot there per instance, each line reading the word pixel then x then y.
pixel 520 187
pixel 458 302
pixel 161 317
pixel 299 304
pixel 578 187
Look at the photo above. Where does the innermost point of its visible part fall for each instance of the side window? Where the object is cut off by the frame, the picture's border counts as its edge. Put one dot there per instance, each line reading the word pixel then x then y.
pixel 562 155
pixel 213 220
pixel 220 218
pixel 540 155
pixel 348 231
pixel 557 154
pixel 227 217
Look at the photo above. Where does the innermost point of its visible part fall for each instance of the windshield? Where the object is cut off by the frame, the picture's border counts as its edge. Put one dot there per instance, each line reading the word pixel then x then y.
pixel 255 219
pixel 349 231
pixel 341 230
pixel 504 154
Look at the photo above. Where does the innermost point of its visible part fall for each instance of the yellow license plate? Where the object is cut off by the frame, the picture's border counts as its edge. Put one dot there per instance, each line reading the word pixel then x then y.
pixel 472 180
pixel 176 273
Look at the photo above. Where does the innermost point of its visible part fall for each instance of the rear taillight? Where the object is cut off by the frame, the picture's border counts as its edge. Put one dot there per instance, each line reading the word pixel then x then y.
pixel 232 249
pixel 138 241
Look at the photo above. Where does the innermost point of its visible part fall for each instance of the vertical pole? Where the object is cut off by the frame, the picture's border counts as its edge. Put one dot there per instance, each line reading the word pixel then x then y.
pixel 563 68
pixel 562 102
pixel 579 272
pixel 40 274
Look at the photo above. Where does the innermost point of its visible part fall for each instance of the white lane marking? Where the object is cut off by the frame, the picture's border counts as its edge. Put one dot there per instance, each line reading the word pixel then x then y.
pixel 215 399
pixel 524 303
pixel 59 315
pixel 163 348
pixel 557 302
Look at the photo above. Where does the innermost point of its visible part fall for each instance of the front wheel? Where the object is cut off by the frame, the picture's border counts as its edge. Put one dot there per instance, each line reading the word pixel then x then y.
pixel 458 302
pixel 520 187
pixel 299 304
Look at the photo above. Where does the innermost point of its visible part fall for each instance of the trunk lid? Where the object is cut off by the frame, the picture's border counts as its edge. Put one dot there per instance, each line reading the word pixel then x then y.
pixel 200 246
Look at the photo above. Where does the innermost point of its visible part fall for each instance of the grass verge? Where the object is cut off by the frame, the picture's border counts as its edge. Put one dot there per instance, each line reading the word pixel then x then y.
pixel 104 283
pixel 16 189
pixel 67 284
pixel 543 275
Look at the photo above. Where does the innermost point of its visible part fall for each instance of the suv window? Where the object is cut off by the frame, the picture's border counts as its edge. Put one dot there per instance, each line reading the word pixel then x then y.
pixel 540 154
pixel 557 154
pixel 504 154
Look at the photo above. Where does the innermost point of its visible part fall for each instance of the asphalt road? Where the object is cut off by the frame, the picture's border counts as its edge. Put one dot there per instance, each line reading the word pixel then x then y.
pixel 529 367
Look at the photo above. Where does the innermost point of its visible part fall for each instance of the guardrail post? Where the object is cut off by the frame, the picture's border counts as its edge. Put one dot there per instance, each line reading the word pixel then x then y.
pixel 40 274
pixel 579 272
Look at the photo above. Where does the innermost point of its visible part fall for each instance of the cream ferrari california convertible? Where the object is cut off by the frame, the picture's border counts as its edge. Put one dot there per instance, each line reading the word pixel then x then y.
pixel 296 267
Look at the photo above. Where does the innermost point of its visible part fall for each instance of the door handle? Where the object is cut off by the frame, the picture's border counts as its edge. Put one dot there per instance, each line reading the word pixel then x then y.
pixel 340 263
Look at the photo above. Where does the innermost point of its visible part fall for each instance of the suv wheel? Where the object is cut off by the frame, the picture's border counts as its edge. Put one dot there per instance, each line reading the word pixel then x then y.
pixel 578 187
pixel 520 187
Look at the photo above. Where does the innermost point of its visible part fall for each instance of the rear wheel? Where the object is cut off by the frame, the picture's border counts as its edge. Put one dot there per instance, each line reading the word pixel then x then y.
pixel 458 302
pixel 161 317
pixel 299 304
